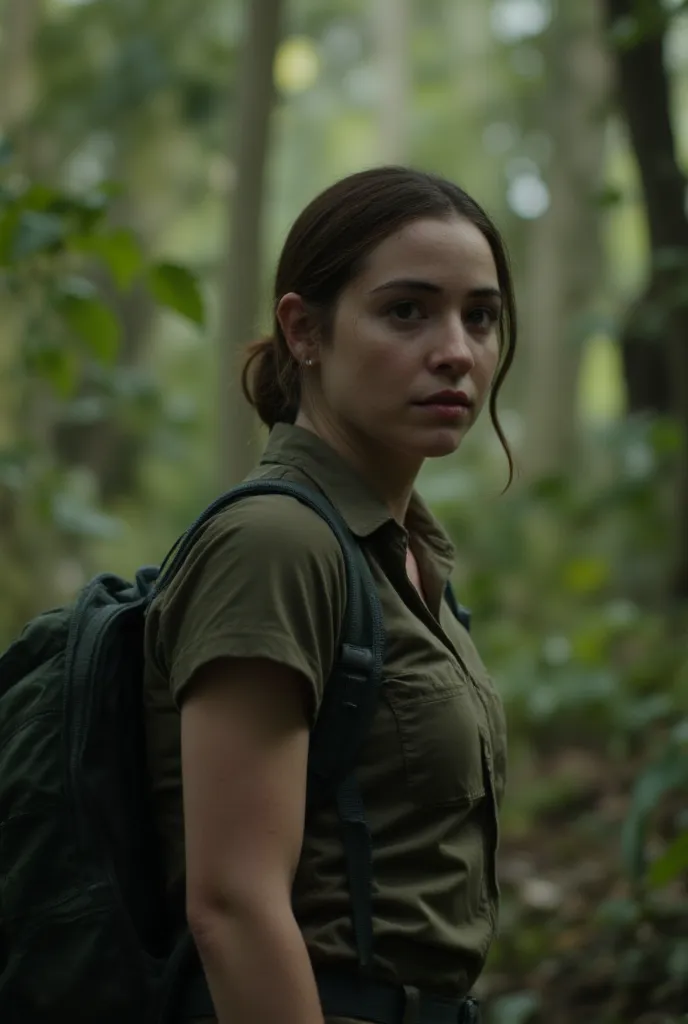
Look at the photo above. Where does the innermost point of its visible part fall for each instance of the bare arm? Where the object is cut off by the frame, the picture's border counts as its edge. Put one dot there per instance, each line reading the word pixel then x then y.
pixel 244 756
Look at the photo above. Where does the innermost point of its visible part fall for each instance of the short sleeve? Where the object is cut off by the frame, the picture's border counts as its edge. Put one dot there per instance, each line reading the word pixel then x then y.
pixel 265 579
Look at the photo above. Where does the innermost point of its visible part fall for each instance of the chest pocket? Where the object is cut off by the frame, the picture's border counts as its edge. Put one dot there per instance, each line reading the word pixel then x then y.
pixel 440 739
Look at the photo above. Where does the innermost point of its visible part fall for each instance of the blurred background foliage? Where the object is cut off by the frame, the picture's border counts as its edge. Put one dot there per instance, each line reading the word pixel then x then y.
pixel 152 156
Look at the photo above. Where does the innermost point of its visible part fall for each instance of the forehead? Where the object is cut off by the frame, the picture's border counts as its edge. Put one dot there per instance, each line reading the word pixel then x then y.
pixel 452 253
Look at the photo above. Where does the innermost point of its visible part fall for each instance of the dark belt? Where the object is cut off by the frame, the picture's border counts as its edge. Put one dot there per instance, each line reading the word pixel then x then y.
pixel 347 995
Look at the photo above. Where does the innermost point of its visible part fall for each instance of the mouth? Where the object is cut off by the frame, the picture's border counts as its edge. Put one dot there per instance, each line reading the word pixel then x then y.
pixel 447 399
pixel 447 406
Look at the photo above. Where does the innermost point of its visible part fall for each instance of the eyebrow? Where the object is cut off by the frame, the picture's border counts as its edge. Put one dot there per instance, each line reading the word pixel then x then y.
pixel 415 284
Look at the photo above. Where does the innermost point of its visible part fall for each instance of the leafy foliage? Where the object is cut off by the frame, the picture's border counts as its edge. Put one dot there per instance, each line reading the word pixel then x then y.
pixel 564 578
pixel 61 262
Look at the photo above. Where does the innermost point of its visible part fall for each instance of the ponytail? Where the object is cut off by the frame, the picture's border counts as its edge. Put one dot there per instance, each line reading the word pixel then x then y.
pixel 271 381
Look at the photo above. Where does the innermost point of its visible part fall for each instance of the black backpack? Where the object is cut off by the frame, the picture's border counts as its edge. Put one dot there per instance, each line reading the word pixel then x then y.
pixel 84 935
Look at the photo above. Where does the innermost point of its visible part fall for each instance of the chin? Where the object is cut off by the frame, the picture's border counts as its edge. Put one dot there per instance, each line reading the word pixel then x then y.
pixel 441 442
pixel 438 451
pixel 418 445
pixel 434 446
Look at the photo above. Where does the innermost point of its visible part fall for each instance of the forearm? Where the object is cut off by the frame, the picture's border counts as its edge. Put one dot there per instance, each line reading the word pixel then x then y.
pixel 258 969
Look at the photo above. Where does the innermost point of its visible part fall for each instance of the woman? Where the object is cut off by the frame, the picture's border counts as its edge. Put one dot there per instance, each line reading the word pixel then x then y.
pixel 394 324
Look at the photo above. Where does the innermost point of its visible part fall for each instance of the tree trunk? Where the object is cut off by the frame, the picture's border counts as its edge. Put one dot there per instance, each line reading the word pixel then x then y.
pixel 657 326
pixel 565 255
pixel 241 289
pixel 644 95
pixel 20 22
pixel 392 29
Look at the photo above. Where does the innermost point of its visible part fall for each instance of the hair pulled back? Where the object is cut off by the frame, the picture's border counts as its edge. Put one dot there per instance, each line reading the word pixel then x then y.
pixel 325 250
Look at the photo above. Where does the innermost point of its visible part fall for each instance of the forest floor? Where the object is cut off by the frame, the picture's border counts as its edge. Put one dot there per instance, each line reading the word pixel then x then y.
pixel 576 941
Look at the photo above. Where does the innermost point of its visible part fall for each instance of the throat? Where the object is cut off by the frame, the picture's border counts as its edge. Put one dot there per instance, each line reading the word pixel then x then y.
pixel 413 573
pixel 389 478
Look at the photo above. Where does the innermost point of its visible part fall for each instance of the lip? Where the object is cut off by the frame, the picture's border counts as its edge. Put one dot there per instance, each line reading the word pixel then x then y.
pixel 447 399
pixel 446 413
pixel 448 406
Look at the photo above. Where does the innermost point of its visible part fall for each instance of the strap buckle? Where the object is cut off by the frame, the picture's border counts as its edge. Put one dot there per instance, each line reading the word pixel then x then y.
pixel 470 1012
pixel 411 1005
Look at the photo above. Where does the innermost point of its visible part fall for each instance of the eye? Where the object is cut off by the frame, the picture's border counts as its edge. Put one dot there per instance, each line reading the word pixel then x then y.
pixel 483 317
pixel 407 311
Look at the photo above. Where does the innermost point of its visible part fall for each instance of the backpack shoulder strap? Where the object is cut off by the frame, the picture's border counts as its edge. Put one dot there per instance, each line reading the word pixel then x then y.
pixel 350 697
pixel 351 693
pixel 461 613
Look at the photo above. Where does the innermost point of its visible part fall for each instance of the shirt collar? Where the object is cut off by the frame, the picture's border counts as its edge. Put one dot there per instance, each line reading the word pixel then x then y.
pixel 289 445
pixel 363 512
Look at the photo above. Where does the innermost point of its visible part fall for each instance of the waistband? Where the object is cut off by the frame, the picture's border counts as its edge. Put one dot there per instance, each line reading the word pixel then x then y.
pixel 349 995
pixel 345 994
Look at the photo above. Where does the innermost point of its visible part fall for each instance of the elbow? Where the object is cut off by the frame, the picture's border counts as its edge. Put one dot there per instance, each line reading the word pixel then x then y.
pixel 205 919
pixel 211 911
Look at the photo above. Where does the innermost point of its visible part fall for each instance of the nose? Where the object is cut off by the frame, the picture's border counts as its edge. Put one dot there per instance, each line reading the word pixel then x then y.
pixel 453 352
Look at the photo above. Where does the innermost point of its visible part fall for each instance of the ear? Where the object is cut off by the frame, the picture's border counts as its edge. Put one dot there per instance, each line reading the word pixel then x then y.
pixel 298 326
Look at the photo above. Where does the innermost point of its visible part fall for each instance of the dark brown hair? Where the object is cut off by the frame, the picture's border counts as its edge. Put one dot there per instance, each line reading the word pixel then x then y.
pixel 325 250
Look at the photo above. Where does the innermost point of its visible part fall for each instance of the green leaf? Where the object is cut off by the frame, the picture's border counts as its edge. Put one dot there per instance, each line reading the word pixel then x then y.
pixel 85 212
pixel 119 251
pixel 585 575
pixel 665 436
pixel 669 772
pixel 36 232
pixel 89 319
pixel 75 516
pixel 177 288
pixel 551 488
pixel 122 254
pixel 41 198
pixel 57 366
pixel 610 195
pixel 672 863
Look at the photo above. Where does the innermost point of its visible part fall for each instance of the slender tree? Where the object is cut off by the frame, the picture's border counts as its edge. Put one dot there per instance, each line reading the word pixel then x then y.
pixel 241 287
pixel 392 29
pixel 565 258
pixel 655 336
pixel 20 21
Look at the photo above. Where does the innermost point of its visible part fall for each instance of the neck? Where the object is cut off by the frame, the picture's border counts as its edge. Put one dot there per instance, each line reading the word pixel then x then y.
pixel 379 467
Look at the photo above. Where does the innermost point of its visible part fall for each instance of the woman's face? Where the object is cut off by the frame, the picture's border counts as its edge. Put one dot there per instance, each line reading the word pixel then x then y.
pixel 414 345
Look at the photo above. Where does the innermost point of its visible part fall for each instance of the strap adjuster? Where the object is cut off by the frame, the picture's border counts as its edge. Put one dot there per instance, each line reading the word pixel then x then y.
pixel 411 1005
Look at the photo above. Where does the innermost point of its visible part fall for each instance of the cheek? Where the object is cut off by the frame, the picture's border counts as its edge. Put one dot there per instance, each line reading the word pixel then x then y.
pixel 489 362
pixel 485 370
pixel 348 372
pixel 365 355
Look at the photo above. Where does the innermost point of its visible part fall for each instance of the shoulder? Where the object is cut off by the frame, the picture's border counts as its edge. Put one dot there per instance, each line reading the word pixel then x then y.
pixel 264 578
pixel 258 543
pixel 273 522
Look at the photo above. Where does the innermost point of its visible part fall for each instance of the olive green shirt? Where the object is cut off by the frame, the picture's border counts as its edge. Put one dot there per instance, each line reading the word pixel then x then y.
pixel 266 579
